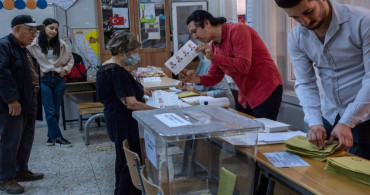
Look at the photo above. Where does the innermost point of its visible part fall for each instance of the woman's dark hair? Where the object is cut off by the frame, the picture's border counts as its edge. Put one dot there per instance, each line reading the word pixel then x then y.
pixel 54 42
pixel 198 16
pixel 288 3
pixel 122 42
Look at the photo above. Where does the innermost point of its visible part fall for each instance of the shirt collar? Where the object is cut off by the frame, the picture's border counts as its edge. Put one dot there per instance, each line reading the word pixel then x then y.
pixel 223 33
pixel 340 15
pixel 15 42
pixel 339 12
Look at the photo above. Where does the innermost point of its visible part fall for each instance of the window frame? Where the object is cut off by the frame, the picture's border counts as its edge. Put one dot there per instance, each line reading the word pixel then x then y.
pixel 291 23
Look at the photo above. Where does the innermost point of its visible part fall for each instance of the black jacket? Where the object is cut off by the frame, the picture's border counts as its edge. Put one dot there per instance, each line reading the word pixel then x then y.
pixel 15 77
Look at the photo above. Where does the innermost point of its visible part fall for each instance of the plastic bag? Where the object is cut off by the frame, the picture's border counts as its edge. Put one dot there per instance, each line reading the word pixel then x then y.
pixel 91 72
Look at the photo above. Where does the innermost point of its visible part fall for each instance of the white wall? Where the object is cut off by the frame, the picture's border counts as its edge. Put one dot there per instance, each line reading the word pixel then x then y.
pixel 81 15
pixel 38 14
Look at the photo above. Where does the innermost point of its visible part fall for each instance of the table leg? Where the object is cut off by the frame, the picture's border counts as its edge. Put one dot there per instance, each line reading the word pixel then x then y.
pixel 63 114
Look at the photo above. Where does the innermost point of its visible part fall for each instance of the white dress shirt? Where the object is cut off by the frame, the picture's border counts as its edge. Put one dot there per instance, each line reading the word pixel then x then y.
pixel 343 63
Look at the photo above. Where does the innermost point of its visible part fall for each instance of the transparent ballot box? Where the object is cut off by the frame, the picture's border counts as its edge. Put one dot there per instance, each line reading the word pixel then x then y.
pixel 185 153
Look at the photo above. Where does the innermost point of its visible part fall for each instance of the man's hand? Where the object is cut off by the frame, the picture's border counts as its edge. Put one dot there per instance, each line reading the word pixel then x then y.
pixel 42 74
pixel 148 92
pixel 63 73
pixel 206 50
pixel 343 133
pixel 189 76
pixel 317 135
pixel 15 108
pixel 182 86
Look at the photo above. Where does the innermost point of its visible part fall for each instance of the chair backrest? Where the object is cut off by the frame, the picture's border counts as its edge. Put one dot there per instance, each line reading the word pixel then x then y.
pixel 150 187
pixel 133 163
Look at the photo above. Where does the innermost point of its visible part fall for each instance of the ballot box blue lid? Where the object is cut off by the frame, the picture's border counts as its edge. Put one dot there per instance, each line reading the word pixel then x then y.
pixel 195 122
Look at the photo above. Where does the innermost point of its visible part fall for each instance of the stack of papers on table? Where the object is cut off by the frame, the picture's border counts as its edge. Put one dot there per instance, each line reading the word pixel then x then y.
pixel 196 99
pixel 271 125
pixel 301 146
pixel 279 137
pixel 163 99
pixel 350 166
pixel 247 139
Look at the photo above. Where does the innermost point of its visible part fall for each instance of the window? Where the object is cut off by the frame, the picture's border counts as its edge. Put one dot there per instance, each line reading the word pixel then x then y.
pixel 290 79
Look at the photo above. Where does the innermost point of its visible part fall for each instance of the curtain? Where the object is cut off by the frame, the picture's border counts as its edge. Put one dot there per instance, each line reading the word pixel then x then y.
pixel 224 8
pixel 261 15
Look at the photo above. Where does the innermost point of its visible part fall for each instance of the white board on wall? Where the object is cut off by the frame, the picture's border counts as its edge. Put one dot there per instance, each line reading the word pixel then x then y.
pixel 38 14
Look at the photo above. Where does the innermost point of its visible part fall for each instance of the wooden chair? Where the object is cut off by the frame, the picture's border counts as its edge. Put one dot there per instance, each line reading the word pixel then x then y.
pixel 95 108
pixel 89 108
pixel 150 187
pixel 134 166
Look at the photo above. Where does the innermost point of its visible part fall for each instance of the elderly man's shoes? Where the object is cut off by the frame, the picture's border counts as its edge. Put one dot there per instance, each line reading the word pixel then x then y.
pixel 28 176
pixel 11 186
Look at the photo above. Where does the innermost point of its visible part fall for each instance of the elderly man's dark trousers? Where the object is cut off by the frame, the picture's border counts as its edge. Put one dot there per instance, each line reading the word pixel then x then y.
pixel 16 138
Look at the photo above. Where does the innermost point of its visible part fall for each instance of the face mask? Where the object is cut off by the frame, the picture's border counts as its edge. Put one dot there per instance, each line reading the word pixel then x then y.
pixel 131 60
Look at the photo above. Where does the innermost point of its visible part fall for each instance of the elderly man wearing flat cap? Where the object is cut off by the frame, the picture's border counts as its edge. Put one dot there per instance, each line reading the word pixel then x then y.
pixel 19 85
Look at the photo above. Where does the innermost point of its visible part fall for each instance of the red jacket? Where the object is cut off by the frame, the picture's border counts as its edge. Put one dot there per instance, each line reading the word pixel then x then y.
pixel 243 56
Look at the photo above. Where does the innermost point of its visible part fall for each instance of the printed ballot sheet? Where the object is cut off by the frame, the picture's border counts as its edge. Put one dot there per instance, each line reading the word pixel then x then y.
pixel 182 57
pixel 285 159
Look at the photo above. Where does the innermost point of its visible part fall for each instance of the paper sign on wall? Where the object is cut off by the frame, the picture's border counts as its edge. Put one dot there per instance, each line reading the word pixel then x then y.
pixel 153 29
pixel 120 18
pixel 147 12
pixel 93 40
pixel 64 4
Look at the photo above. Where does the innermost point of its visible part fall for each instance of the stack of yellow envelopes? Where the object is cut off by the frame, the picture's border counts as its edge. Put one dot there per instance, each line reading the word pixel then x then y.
pixel 187 94
pixel 352 167
pixel 300 145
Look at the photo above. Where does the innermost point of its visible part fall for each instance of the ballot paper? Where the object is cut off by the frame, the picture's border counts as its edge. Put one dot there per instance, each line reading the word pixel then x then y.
pixel 272 126
pixel 196 99
pixel 151 79
pixel 285 159
pixel 163 99
pixel 278 137
pixel 300 145
pixel 247 139
pixel 350 166
pixel 182 57
pixel 186 94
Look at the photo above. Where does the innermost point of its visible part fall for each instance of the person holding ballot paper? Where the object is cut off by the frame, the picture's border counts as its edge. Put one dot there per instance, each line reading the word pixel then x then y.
pixel 237 51
pixel 222 89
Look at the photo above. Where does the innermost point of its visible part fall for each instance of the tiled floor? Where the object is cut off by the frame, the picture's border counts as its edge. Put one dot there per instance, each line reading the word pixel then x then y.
pixel 77 170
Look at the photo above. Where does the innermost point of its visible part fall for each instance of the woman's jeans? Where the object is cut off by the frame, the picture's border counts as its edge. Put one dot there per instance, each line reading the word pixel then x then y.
pixel 52 91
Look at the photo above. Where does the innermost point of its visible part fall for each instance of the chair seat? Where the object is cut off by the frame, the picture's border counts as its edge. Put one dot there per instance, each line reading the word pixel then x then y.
pixel 84 111
pixel 90 105
pixel 95 108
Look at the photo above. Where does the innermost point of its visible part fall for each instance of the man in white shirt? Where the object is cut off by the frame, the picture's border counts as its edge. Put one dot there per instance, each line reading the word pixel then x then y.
pixel 334 38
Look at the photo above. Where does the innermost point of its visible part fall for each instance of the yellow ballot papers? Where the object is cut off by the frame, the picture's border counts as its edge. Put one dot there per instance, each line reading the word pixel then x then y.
pixel 227 182
pixel 353 167
pixel 187 94
pixel 300 145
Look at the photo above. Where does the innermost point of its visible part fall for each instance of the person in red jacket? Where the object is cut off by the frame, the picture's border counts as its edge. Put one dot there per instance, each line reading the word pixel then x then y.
pixel 239 52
